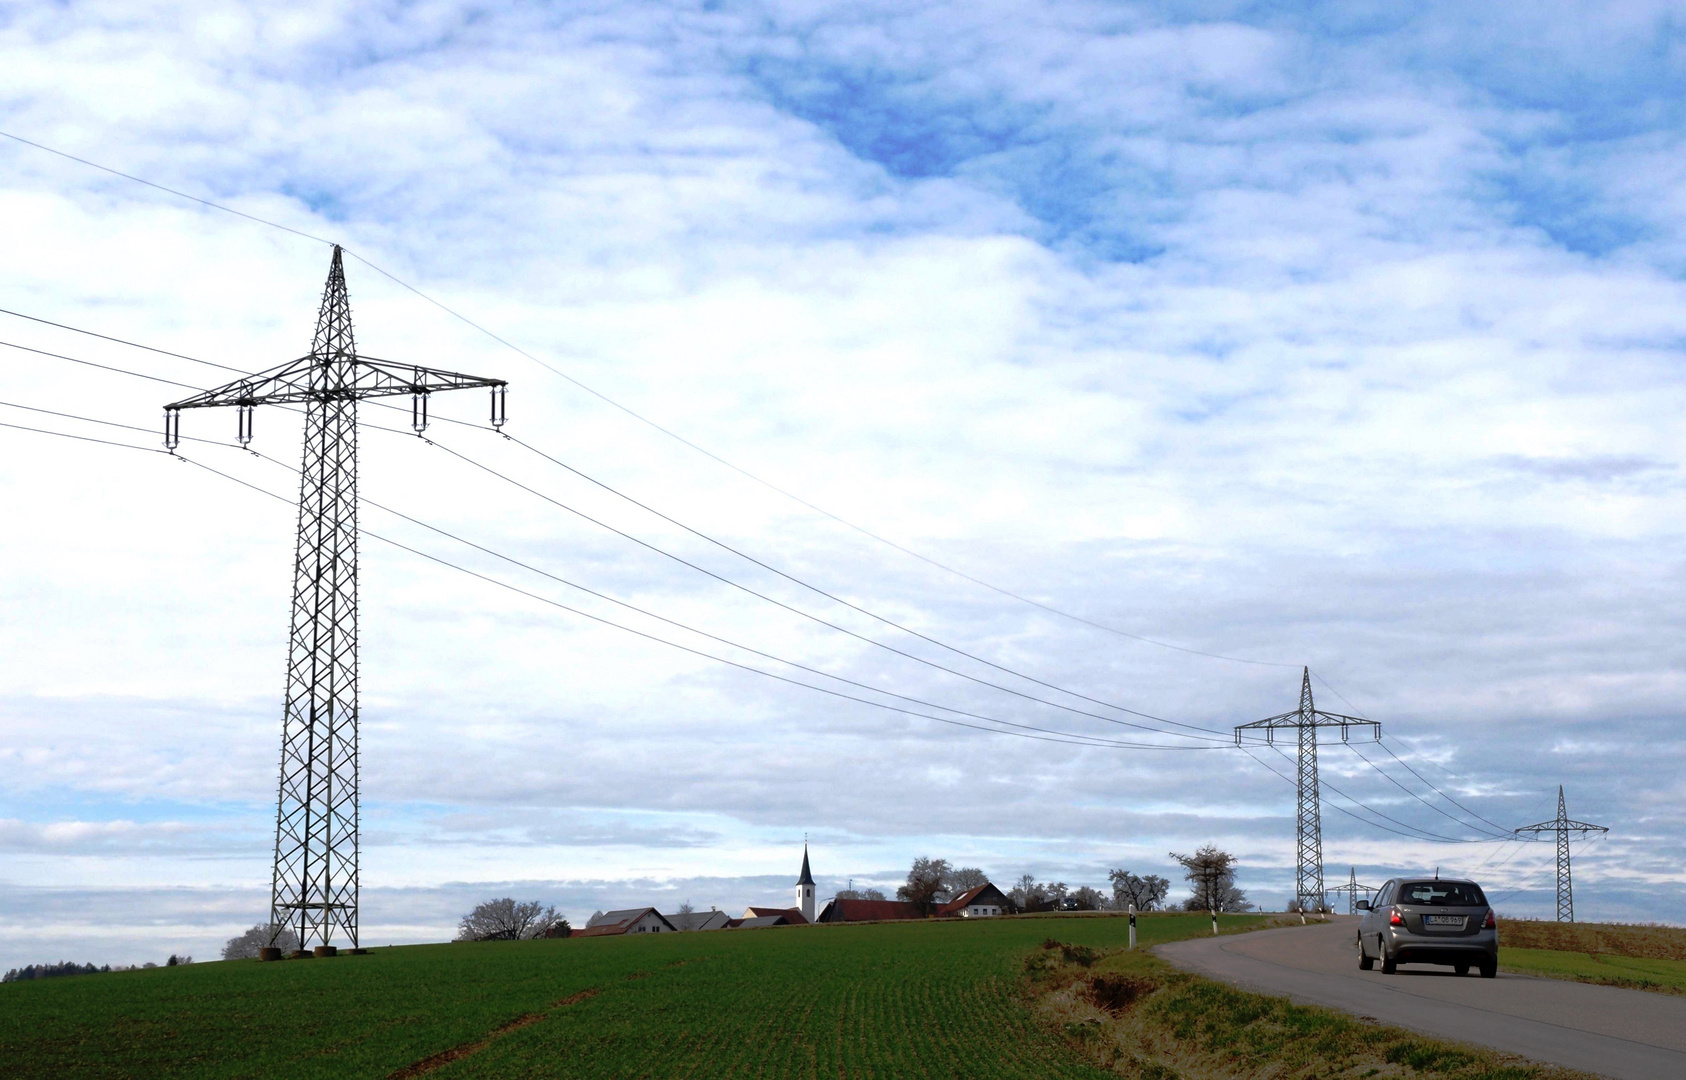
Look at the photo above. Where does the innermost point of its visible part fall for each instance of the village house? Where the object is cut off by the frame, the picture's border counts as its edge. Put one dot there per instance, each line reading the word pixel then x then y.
pixel 646 920
pixel 978 903
pixel 700 920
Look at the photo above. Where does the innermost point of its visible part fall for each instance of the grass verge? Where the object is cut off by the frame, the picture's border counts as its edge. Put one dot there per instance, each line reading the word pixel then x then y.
pixel 1632 972
pixel 1138 1017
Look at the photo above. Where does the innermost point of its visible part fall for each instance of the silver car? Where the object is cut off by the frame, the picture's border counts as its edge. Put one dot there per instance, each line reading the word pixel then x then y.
pixel 1432 921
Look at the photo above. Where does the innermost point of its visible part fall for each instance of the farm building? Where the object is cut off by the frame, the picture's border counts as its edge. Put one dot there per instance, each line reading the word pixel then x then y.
pixel 791 915
pixel 700 920
pixel 978 903
pixel 645 920
pixel 837 911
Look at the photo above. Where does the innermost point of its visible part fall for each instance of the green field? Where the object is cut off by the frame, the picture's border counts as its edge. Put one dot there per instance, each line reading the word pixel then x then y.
pixel 932 999
pixel 1636 972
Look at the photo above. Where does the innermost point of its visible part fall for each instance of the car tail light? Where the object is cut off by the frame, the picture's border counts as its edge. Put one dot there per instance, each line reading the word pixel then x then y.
pixel 1394 918
pixel 1490 923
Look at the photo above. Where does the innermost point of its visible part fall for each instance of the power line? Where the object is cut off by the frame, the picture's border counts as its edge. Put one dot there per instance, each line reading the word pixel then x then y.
pixel 1214 736
pixel 1071 738
pixel 652 423
pixel 112 423
pixel 832 596
pixel 1207 733
pixel 82 438
pixel 1337 806
pixel 103 367
pixel 1421 834
pixel 691 629
pixel 161 187
pixel 1432 787
pixel 121 341
pixel 1449 817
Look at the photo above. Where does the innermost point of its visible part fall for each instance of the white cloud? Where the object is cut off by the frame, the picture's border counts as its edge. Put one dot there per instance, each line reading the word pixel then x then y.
pixel 1313 349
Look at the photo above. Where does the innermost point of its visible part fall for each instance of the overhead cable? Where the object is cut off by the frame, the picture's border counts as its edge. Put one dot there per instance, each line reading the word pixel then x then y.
pixel 1206 734
pixel 559 373
pixel 1043 734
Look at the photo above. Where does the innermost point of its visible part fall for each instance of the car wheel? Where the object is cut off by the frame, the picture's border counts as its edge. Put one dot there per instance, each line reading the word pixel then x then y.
pixel 1389 966
pixel 1490 969
pixel 1461 969
pixel 1365 960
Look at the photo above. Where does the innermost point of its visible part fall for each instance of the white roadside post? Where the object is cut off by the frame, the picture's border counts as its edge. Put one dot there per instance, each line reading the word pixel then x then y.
pixel 1214 922
pixel 1132 926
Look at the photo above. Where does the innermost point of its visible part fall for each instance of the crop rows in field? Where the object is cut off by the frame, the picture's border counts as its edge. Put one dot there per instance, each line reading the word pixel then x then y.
pixel 892 1001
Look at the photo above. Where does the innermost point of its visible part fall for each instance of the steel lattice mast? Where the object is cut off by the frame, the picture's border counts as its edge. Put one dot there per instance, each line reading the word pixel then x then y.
pixel 1563 827
pixel 1308 824
pixel 1352 889
pixel 314 887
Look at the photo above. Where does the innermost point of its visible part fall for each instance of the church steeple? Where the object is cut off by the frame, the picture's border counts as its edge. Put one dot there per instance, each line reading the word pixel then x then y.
pixel 805 886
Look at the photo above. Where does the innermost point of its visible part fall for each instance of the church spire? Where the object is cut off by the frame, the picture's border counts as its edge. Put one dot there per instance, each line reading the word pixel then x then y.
pixel 807 878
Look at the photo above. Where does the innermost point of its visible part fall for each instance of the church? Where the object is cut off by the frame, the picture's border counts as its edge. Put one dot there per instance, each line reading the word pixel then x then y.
pixel 982 901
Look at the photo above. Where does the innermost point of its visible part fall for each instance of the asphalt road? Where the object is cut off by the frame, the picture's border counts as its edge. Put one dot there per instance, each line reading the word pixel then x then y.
pixel 1625 1034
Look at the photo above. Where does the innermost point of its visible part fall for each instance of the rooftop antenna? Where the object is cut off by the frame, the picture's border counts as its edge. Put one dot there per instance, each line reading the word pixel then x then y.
pixel 314 885
pixel 1564 828
pixel 1308 819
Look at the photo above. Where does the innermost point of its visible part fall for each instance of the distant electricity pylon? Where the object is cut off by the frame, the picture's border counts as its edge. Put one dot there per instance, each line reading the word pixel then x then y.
pixel 1352 889
pixel 1563 827
pixel 314 888
pixel 1304 721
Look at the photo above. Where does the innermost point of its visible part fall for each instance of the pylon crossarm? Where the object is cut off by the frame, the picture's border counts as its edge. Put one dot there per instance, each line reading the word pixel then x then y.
pixel 1294 720
pixel 300 381
pixel 1562 826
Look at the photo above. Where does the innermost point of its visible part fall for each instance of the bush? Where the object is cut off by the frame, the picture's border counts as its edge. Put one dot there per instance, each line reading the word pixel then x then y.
pixel 246 946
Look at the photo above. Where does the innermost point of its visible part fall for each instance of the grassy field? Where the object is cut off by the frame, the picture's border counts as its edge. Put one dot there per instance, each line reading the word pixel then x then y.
pixel 893 1001
pixel 1614 954
pixel 1598 939
pixel 1634 972
pixel 947 999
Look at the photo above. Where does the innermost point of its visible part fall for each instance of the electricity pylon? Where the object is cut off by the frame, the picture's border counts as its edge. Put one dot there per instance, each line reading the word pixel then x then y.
pixel 1352 889
pixel 1308 821
pixel 1563 827
pixel 314 887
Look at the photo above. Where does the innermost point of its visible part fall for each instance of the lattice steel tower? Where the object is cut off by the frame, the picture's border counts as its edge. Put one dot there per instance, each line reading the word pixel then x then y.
pixel 1352 889
pixel 314 888
pixel 1308 877
pixel 1563 827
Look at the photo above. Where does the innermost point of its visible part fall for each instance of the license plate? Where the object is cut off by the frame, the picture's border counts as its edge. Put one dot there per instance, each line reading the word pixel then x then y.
pixel 1443 920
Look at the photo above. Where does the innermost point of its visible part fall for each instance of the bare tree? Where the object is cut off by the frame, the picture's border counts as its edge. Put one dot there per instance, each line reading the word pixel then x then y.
pixel 246 946
pixel 1028 895
pixel 925 880
pixel 1211 877
pixel 686 908
pixel 860 894
pixel 506 920
pixel 967 877
pixel 1084 898
pixel 1147 892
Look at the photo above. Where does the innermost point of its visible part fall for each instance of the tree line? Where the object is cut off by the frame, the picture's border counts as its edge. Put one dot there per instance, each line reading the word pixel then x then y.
pixel 1209 872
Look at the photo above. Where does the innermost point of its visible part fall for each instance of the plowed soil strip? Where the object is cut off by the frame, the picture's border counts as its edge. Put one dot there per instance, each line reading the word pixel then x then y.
pixel 445 1057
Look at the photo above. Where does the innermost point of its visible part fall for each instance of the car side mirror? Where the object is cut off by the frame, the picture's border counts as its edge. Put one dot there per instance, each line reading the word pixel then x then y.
pixel 1363 905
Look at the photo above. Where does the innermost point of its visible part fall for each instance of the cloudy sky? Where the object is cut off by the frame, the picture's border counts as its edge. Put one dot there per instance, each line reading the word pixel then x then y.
pixel 1325 335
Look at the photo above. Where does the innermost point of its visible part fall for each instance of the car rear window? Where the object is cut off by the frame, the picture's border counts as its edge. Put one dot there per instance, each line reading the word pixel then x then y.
pixel 1441 894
